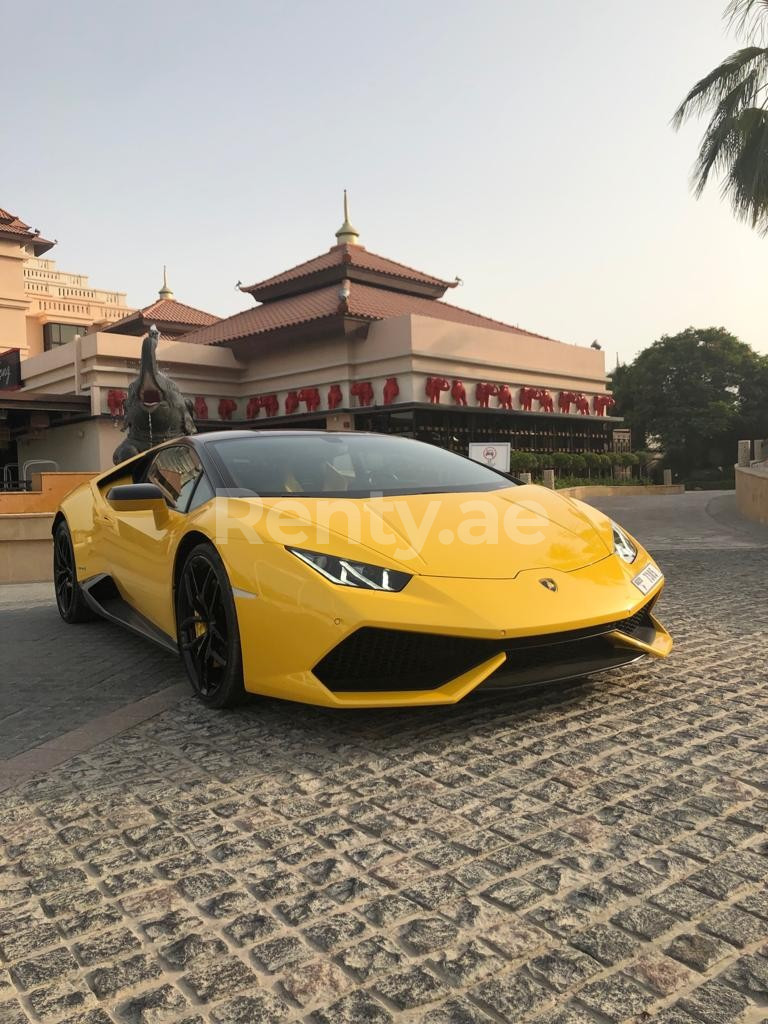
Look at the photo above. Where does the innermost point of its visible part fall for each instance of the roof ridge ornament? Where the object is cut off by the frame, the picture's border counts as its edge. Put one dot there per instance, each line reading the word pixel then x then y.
pixel 347 235
pixel 165 292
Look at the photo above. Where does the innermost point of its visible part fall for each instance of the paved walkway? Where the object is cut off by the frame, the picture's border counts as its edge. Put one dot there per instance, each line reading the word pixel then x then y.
pixel 597 855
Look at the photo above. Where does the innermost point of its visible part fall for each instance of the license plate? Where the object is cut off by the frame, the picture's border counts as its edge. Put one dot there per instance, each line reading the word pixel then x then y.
pixel 646 580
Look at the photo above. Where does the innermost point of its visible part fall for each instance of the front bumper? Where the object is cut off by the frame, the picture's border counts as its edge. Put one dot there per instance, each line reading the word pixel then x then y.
pixel 301 636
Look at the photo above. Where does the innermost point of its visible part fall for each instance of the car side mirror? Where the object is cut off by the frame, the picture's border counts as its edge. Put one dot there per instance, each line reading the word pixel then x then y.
pixel 139 498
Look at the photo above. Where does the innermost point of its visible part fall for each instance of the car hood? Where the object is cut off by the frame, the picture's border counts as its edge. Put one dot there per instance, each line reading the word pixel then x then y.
pixel 488 535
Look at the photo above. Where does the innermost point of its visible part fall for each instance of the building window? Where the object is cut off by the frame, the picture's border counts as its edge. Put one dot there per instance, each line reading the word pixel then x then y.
pixel 59 334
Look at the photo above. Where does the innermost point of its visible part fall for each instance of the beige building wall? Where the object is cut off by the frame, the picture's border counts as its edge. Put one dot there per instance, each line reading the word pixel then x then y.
pixel 409 348
pixel 58 296
pixel 74 447
pixel 14 304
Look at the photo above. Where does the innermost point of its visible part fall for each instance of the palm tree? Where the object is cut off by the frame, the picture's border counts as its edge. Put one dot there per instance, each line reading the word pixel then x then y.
pixel 735 95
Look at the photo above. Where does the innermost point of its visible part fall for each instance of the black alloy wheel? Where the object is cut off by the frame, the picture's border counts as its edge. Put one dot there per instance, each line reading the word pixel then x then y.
pixel 69 596
pixel 207 629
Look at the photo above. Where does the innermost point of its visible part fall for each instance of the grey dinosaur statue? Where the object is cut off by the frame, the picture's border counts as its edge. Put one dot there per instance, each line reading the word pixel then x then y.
pixel 155 409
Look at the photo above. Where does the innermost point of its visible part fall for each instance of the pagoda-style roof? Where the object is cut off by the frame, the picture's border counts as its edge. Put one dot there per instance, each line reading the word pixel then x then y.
pixel 341 291
pixel 351 262
pixel 171 317
pixel 15 230
pixel 328 307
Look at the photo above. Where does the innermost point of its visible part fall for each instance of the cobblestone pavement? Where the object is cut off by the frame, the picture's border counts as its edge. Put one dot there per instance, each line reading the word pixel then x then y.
pixel 46 688
pixel 597 854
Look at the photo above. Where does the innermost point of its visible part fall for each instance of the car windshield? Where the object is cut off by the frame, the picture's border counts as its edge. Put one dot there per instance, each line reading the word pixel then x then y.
pixel 349 465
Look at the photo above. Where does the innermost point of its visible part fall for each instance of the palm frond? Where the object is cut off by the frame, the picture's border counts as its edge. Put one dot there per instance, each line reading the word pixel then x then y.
pixel 736 148
pixel 748 17
pixel 748 65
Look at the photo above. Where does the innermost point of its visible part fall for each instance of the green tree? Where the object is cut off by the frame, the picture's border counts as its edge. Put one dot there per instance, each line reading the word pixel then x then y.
pixel 694 394
pixel 735 96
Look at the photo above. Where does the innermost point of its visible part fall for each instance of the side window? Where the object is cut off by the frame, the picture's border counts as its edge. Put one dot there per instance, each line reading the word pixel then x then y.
pixel 176 471
pixel 203 492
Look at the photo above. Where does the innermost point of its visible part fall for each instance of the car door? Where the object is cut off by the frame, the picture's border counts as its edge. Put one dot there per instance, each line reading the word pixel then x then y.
pixel 141 549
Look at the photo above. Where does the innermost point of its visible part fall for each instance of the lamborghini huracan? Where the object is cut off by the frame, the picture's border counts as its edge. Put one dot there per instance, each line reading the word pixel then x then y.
pixel 352 570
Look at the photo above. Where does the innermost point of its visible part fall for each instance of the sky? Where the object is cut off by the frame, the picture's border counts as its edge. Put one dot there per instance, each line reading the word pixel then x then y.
pixel 521 145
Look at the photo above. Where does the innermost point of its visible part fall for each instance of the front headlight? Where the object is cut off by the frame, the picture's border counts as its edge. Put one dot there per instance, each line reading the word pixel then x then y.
pixel 348 573
pixel 622 545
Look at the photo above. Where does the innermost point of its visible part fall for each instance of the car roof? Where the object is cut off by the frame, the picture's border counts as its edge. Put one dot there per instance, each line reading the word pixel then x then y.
pixel 226 435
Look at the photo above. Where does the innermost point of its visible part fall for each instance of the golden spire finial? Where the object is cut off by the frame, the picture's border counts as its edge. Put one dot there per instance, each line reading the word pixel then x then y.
pixel 165 291
pixel 347 235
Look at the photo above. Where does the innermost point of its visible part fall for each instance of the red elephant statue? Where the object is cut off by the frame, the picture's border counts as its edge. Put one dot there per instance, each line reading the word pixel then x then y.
pixel 201 408
pixel 527 396
pixel 291 402
pixel 602 403
pixel 270 404
pixel 459 392
pixel 311 398
pixel 116 402
pixel 433 387
pixel 545 401
pixel 582 404
pixel 484 391
pixel 226 407
pixel 334 396
pixel 564 401
pixel 253 408
pixel 391 390
pixel 363 391
pixel 505 397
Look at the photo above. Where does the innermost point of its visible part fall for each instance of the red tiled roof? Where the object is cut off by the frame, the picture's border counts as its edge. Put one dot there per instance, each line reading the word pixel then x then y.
pixel 10 224
pixel 343 256
pixel 169 311
pixel 365 302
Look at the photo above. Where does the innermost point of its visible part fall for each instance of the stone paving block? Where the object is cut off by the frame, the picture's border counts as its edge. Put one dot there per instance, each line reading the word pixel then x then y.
pixel 468 963
pixel 659 973
pixel 61 997
pixel 455 1011
pixel 12 1013
pixel 604 943
pixel 107 946
pixel 511 995
pixel 684 901
pixel 427 934
pixel 175 922
pixel 735 926
pixel 411 987
pixel 46 968
pixel 191 948
pixel 318 981
pixel 749 974
pixel 617 998
pixel 251 927
pixel 28 937
pixel 715 1003
pixel 157 1006
pixel 217 979
pixel 356 1008
pixel 95 1016
pixel 563 968
pixel 108 981
pixel 334 931
pixel 698 951
pixel 255 1008
pixel 645 921
pixel 370 957
pixel 284 951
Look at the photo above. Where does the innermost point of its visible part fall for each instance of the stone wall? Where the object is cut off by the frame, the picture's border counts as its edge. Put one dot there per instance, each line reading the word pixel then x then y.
pixel 752 493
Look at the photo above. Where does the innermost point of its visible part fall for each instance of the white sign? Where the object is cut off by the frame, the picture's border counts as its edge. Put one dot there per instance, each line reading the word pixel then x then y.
pixel 493 453
pixel 646 580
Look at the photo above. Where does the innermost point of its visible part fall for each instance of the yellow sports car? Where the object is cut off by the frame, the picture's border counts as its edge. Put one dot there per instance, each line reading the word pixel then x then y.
pixel 352 570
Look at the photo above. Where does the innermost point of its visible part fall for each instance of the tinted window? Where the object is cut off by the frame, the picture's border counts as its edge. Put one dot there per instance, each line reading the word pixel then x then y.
pixel 175 471
pixel 352 465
